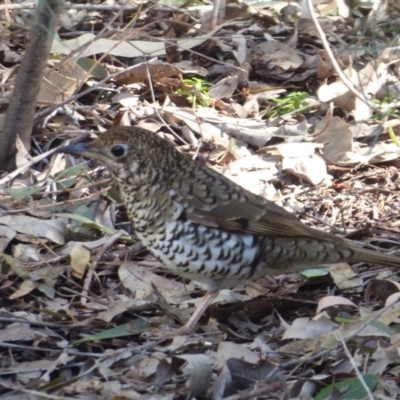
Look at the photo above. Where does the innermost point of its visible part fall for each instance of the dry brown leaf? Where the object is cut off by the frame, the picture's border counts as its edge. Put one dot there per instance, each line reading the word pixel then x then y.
pixel 58 86
pixel 156 69
pixel 304 328
pixel 332 301
pixel 124 48
pixel 139 279
pixel 80 258
pixel 344 277
pixel 228 349
pixel 383 288
pixel 199 369
pixel 311 169
pixel 53 230
pixel 26 287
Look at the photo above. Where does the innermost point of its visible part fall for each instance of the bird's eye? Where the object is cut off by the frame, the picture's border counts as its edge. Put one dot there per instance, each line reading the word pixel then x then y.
pixel 118 151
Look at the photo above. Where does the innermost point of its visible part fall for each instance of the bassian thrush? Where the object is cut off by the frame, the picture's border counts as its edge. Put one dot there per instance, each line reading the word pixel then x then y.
pixel 203 226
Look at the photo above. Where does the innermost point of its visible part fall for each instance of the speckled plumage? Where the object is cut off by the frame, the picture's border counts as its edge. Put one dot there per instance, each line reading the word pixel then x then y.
pixel 205 227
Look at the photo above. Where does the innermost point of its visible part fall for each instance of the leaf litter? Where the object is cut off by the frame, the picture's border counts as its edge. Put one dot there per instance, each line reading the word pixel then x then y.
pixel 251 98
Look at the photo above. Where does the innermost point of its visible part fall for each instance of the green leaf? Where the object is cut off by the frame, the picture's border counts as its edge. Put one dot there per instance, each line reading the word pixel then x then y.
pixel 314 272
pixel 84 211
pixel 355 389
pixel 47 290
pixel 62 178
pixel 174 3
pixel 23 193
pixel 393 136
pixel 382 327
pixel 87 222
pixel 291 103
pixel 343 320
pixel 98 71
pixel 133 328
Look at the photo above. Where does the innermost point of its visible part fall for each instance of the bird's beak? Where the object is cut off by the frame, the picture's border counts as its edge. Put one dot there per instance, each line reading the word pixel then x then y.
pixel 86 150
pixel 79 149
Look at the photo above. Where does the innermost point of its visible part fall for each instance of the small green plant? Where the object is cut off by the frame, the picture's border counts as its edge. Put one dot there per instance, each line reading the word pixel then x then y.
pixel 196 92
pixel 389 112
pixel 293 102
pixel 393 136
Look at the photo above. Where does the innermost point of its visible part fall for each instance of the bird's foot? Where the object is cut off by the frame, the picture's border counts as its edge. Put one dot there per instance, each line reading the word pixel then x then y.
pixel 166 332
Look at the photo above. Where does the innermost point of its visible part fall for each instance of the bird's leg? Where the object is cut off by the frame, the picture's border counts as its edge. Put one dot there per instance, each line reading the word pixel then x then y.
pixel 203 305
pixel 165 332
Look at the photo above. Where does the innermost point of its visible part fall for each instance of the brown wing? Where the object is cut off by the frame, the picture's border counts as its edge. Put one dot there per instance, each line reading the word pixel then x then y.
pixel 211 199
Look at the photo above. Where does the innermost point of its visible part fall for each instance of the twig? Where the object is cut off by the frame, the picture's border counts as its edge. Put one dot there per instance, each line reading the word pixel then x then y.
pixel 42 324
pixel 323 353
pixel 89 7
pixel 23 168
pixel 95 262
pixel 132 350
pixel 46 349
pixel 76 96
pixel 34 394
pixel 271 387
pixel 348 83
pixel 106 54
pixel 149 81
pixel 353 363
pixel 318 356
pixel 294 363
pixel 60 203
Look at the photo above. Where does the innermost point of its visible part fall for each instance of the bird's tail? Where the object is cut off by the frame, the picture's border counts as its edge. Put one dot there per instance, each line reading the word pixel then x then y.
pixel 286 254
pixel 374 257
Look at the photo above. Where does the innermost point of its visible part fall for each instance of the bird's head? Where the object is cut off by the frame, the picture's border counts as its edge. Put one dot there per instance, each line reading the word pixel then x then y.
pixel 125 151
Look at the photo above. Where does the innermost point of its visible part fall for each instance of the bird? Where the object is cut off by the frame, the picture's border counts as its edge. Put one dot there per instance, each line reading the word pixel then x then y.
pixel 204 227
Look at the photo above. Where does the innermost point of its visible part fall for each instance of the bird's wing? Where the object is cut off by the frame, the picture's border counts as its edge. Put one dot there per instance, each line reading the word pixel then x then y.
pixel 210 199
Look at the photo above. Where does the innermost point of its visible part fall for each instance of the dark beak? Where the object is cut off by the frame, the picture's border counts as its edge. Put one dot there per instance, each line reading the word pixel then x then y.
pixel 77 149
pixel 85 150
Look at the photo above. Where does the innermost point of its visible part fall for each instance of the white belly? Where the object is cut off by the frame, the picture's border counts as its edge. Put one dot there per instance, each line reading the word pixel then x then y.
pixel 203 254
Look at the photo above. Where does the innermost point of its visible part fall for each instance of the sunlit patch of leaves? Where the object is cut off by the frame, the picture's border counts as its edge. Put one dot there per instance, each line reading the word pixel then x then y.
pixel 292 103
pixel 393 136
pixel 196 92
pixel 390 113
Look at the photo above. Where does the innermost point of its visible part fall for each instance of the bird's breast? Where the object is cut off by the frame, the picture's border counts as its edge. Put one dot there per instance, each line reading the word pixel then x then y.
pixel 189 249
pixel 202 253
